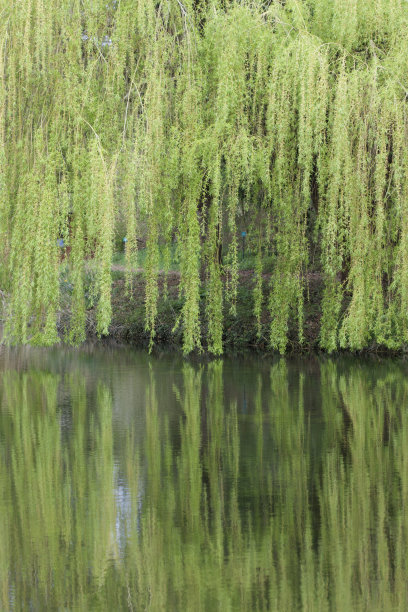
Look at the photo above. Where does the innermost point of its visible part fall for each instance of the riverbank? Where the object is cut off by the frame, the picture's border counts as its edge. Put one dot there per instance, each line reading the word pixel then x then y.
pixel 240 331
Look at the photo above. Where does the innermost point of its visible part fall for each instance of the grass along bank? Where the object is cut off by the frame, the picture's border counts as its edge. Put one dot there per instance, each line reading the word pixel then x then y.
pixel 241 330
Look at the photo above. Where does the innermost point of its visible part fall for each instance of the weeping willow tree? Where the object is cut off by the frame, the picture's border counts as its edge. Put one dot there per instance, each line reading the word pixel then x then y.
pixel 179 120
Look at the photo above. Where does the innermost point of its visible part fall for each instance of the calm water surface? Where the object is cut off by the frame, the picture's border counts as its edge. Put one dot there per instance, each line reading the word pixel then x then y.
pixel 130 482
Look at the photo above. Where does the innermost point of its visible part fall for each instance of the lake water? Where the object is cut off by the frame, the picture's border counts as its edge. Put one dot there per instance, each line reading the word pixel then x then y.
pixel 130 482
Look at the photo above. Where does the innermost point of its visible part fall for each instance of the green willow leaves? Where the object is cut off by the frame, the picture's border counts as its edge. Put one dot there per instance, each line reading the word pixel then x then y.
pixel 174 121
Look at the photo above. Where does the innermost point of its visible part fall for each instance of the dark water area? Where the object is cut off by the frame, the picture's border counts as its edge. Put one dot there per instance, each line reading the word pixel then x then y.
pixel 132 482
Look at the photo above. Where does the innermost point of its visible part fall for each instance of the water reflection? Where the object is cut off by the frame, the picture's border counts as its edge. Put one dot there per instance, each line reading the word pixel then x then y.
pixel 128 482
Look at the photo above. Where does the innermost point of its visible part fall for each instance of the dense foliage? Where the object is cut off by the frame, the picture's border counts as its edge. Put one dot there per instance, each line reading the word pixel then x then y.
pixel 180 120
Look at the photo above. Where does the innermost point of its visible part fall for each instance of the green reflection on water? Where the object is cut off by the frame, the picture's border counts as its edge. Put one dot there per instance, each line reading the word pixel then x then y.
pixel 128 482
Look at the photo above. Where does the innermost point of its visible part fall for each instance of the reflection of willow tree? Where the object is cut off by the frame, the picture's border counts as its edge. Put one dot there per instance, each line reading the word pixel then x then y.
pixel 191 541
pixel 199 547
pixel 364 534
pixel 57 510
pixel 225 511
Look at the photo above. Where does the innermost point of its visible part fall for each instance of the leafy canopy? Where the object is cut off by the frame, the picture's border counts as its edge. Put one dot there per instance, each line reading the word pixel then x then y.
pixel 177 120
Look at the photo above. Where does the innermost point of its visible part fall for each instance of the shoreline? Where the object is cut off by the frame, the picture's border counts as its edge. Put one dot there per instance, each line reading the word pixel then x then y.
pixel 240 331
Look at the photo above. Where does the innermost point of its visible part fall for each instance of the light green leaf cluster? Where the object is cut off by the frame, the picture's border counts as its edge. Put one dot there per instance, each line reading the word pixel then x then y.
pixel 182 119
